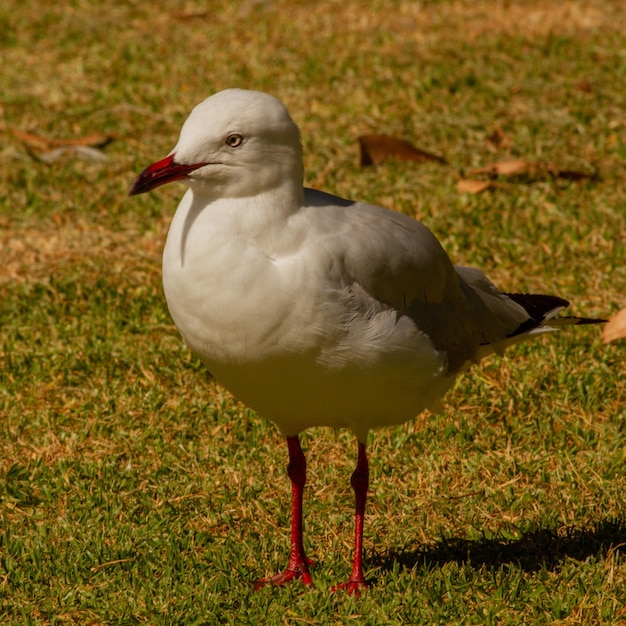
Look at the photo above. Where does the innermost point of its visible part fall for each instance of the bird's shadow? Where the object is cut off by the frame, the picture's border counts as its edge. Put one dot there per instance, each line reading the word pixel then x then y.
pixel 543 548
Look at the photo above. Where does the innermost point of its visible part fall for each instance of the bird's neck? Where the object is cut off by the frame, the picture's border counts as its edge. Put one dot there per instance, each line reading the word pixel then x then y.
pixel 259 218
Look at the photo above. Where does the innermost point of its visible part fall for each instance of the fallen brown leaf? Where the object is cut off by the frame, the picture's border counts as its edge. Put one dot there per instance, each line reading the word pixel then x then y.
pixel 465 185
pixel 534 170
pixel 378 148
pixel 615 327
pixel 39 142
pixel 504 168
pixel 87 153
pixel 575 175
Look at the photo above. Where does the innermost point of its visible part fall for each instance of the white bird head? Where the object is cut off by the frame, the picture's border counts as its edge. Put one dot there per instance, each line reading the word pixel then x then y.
pixel 236 143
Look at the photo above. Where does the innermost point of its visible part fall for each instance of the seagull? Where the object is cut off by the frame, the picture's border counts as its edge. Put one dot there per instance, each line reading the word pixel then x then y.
pixel 312 309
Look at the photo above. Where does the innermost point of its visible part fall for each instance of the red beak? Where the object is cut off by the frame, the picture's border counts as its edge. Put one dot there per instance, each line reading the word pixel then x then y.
pixel 164 171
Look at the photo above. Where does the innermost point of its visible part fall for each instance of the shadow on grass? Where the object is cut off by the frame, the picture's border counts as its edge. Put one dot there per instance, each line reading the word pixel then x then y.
pixel 537 549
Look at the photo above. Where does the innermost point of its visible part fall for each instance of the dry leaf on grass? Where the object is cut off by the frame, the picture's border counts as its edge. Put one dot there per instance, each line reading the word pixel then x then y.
pixel 48 150
pixel 86 153
pixel 39 142
pixel 465 185
pixel 503 168
pixel 534 170
pixel 526 171
pixel 378 148
pixel 557 172
pixel 615 328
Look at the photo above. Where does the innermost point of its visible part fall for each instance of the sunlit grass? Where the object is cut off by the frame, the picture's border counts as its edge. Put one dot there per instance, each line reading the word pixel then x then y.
pixel 133 489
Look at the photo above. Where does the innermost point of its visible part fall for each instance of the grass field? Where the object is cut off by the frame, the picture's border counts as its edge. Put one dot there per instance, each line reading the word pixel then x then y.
pixel 133 489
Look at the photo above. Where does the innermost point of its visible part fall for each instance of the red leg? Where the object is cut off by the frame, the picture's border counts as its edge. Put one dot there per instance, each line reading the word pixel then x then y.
pixel 360 483
pixel 298 566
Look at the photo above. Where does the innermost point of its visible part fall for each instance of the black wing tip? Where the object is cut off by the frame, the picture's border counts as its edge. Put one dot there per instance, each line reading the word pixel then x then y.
pixel 543 307
pixel 536 302
pixel 577 321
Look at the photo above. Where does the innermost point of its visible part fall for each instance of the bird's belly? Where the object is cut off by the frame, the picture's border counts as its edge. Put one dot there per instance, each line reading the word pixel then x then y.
pixel 297 393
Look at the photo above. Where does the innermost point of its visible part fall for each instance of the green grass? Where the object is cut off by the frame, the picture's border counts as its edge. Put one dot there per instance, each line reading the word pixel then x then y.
pixel 133 489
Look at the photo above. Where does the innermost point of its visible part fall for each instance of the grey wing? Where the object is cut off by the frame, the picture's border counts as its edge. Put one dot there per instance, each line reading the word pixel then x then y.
pixel 401 264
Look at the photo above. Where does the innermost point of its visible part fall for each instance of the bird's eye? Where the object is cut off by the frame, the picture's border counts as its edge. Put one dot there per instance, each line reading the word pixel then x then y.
pixel 234 140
